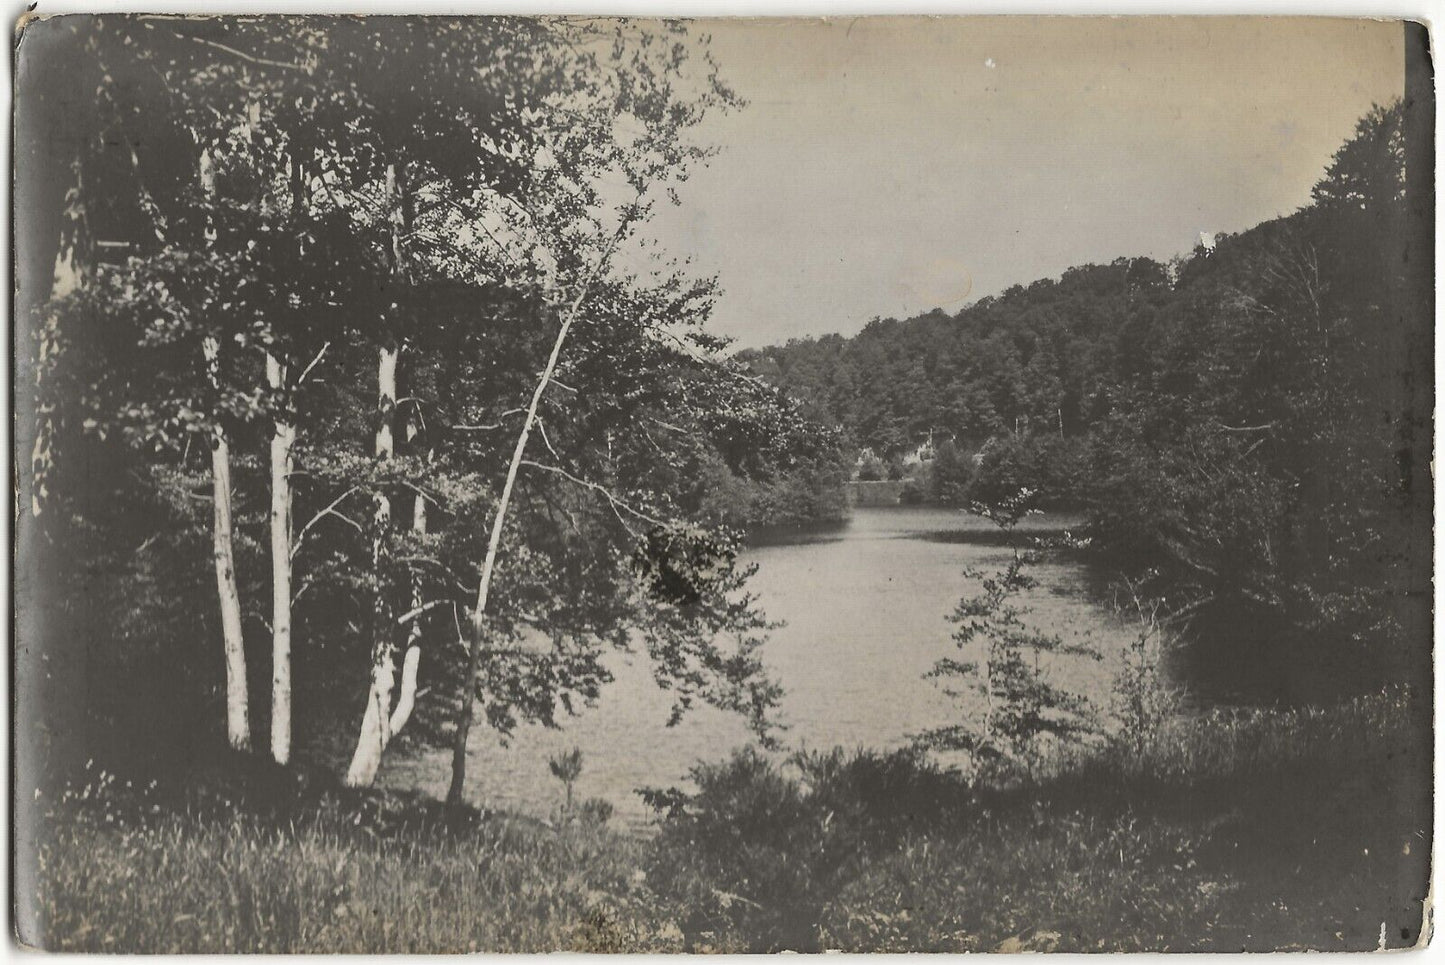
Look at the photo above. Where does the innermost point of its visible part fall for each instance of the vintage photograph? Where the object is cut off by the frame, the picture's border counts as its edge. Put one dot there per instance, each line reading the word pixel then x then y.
pixel 866 484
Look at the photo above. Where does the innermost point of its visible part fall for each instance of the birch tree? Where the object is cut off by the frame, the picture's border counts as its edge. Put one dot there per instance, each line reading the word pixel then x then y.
pixel 222 271
pixel 629 125
pixel 194 398
pixel 403 150
pixel 500 194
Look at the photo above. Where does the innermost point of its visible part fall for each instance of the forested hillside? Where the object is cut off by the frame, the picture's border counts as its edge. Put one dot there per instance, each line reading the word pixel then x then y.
pixel 1034 359
pixel 1252 420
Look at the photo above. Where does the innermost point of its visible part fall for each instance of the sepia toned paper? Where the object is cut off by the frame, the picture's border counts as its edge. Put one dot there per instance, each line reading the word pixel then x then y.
pixel 865 484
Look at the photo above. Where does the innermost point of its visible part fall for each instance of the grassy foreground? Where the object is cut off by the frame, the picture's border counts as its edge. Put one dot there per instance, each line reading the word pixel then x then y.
pixel 340 874
pixel 1248 830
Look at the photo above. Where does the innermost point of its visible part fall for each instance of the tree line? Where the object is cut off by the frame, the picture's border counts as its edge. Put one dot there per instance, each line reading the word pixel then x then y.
pixel 1246 422
pixel 362 398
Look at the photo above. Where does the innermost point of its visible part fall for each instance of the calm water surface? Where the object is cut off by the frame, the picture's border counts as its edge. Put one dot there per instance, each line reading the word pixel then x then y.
pixel 865 607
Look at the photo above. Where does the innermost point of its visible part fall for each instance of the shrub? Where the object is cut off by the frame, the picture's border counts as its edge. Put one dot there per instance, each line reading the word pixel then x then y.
pixel 1259 829
pixel 595 810
pixel 871 469
pixel 566 767
pixel 1020 703
pixel 756 856
pixel 1043 463
pixel 1143 701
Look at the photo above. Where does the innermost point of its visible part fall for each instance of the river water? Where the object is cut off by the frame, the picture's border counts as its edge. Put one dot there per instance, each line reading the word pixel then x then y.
pixel 865 607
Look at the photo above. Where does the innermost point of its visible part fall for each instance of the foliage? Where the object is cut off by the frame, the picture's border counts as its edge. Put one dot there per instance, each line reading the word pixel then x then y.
pixel 1144 701
pixel 321 190
pixel 755 853
pixel 872 469
pixel 951 475
pixel 1027 363
pixel 1047 464
pixel 595 810
pixel 566 767
pixel 1020 703
pixel 1259 829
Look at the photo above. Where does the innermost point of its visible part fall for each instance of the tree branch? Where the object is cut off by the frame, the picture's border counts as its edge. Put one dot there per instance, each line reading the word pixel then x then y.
pixel 330 510
pixel 614 500
pixel 542 428
pixel 491 425
pixel 415 612
pixel 307 371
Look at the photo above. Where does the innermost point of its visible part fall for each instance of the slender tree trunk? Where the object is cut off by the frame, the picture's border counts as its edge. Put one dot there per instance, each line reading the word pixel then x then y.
pixel 238 723
pixel 376 722
pixel 282 438
pixel 477 623
pixel 406 697
pixel 238 715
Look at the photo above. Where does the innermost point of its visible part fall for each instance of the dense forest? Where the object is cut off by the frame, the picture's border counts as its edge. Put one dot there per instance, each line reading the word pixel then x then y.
pixel 1250 423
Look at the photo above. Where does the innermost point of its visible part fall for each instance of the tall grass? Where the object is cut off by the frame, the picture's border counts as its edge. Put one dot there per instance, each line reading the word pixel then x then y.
pixel 1239 742
pixel 1230 830
pixel 116 878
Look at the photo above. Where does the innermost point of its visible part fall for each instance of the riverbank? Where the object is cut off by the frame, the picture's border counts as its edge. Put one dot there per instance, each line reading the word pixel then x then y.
pixel 1233 830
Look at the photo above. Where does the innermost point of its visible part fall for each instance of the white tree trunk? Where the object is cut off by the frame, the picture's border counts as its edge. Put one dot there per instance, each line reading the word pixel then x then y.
pixel 376 722
pixel 238 715
pixel 238 724
pixel 477 625
pixel 282 438
pixel 406 698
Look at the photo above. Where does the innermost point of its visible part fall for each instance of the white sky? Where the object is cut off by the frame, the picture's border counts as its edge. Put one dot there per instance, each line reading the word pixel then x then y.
pixel 888 166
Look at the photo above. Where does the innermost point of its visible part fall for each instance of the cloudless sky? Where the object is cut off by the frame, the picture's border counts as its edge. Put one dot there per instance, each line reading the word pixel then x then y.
pixel 887 166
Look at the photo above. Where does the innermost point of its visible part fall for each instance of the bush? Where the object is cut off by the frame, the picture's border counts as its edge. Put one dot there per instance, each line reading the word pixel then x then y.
pixel 1020 704
pixel 951 475
pixel 596 810
pixel 1261 829
pixel 755 856
pixel 1143 701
